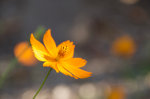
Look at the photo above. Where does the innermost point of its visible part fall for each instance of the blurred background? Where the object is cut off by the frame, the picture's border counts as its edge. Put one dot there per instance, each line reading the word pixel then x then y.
pixel 112 35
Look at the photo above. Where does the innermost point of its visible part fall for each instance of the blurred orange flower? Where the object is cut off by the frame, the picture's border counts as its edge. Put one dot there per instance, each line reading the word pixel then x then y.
pixel 124 46
pixel 116 93
pixel 24 54
pixel 59 57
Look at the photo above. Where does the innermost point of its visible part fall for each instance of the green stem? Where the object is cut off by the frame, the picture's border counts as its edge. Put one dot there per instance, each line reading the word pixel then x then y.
pixel 11 66
pixel 8 70
pixel 42 83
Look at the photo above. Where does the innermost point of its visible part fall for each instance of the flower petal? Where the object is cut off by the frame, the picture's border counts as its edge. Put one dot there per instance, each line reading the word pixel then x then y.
pixel 52 65
pixel 66 50
pixel 76 62
pixel 64 71
pixel 50 43
pixel 76 71
pixel 38 48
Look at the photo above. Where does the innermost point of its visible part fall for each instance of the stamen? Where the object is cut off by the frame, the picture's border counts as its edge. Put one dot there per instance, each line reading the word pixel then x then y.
pixel 65 49
pixel 62 51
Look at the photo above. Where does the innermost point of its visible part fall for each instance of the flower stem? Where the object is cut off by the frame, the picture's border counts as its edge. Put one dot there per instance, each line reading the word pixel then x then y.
pixel 5 74
pixel 42 83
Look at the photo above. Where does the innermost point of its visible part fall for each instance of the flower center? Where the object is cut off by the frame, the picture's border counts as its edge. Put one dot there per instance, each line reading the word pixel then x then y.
pixel 62 52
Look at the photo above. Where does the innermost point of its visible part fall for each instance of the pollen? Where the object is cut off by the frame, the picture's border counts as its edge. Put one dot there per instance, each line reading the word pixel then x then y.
pixel 63 51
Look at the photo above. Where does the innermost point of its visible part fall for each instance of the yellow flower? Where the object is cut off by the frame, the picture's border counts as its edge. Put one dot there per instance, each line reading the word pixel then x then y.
pixel 24 54
pixel 59 57
pixel 124 46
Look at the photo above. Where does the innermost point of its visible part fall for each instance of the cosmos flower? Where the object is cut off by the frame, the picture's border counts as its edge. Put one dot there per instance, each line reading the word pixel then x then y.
pixel 60 57
pixel 124 46
pixel 24 54
pixel 116 92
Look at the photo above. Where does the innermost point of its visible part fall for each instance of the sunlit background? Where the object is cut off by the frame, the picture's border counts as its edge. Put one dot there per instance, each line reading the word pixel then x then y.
pixel 112 35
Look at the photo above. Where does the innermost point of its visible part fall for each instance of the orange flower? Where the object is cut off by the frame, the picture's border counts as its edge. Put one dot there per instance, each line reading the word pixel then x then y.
pixel 59 57
pixel 124 46
pixel 24 54
pixel 116 93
